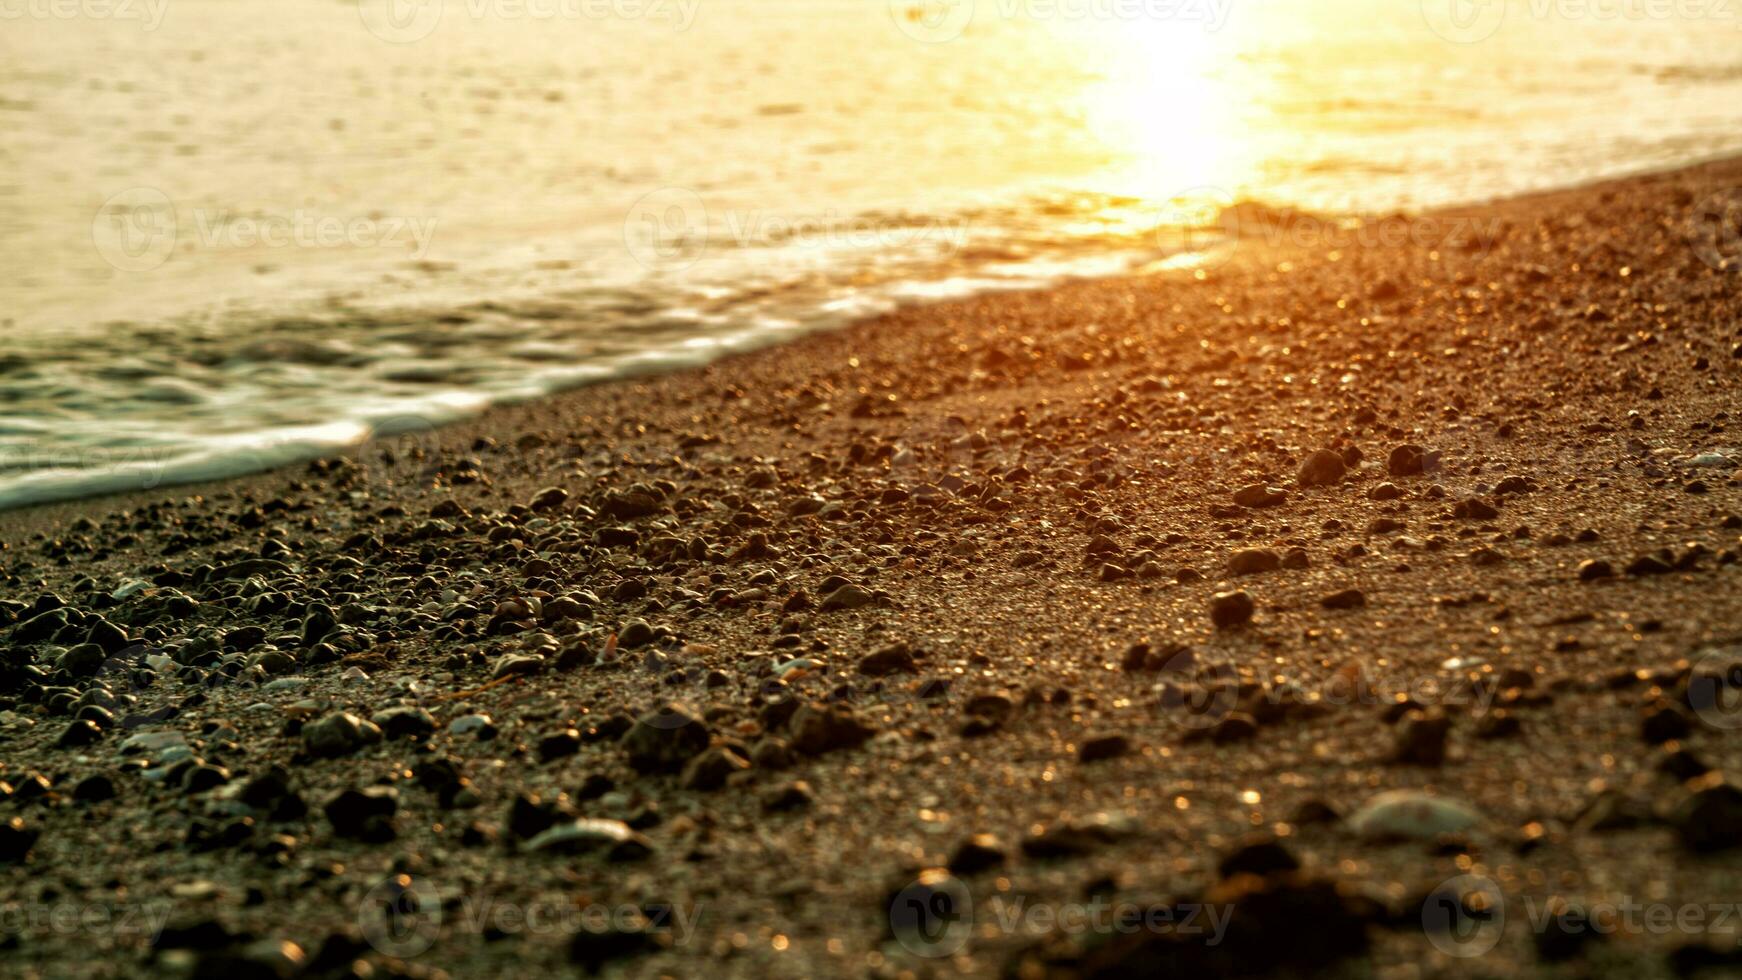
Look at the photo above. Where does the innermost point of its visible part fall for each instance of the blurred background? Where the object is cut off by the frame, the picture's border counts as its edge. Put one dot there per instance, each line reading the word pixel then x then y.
pixel 237 234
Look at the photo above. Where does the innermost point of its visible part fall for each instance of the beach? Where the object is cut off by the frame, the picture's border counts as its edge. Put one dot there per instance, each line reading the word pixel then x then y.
pixel 1358 599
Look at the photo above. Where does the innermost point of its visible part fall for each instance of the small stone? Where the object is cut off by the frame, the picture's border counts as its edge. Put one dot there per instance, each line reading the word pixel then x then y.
pixel 78 734
pixel 199 779
pixel 1421 741
pixel 1252 561
pixel 587 835
pixel 1238 726
pixel 548 499
pixel 795 795
pixel 365 815
pixel 474 724
pixel 16 840
pixel 405 721
pixel 1322 468
pixel 338 735
pixel 1593 569
pixel 895 659
pixel 1709 817
pixel 771 753
pixel 1474 509
pixel 94 788
pixel 635 633
pixel 1231 609
pixel 1101 747
pixel 1258 495
pixel 710 769
pixel 848 596
pixel 1385 491
pixel 517 665
pixel 820 728
pixel 318 623
pixel 981 852
pixel 1664 722
pixel 1498 723
pixel 664 739
pixel 1346 599
pixel 1649 565
pixel 559 746
pixel 83 660
pixel 1411 460
pixel 1258 854
pixel 1411 815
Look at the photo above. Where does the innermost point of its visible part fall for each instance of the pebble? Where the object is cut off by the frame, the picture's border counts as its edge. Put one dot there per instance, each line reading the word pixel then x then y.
pixel 848 596
pixel 1322 468
pixel 1253 561
pixel 473 724
pixel 1411 815
pixel 981 852
pixel 404 721
pixel 79 734
pixel 1411 460
pixel 16 840
pixel 517 664
pixel 365 815
pixel 664 739
pixel 94 788
pixel 1258 854
pixel 1231 609
pixel 1258 495
pixel 589 834
pixel 1709 817
pixel 1649 565
pixel 1345 599
pixel 821 728
pixel 1099 747
pixel 794 795
pixel 1421 740
pixel 895 659
pixel 1593 569
pixel 711 769
pixel 338 735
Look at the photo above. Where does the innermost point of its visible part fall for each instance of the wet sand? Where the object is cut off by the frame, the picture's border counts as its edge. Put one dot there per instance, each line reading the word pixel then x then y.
pixel 946 573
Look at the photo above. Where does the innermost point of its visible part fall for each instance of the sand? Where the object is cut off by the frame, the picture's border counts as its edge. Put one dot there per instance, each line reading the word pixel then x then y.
pixel 900 570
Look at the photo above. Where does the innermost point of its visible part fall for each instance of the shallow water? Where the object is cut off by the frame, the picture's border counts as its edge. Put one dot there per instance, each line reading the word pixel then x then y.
pixel 237 235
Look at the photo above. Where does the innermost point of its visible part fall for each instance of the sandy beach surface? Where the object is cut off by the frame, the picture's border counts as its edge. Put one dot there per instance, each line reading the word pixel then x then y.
pixel 1361 603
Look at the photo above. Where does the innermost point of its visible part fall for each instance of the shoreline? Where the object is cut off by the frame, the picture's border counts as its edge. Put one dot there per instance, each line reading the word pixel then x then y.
pixel 487 420
pixel 985 604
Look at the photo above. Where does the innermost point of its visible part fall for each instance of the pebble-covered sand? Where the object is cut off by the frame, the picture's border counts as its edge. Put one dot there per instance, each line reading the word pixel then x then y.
pixel 1364 604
